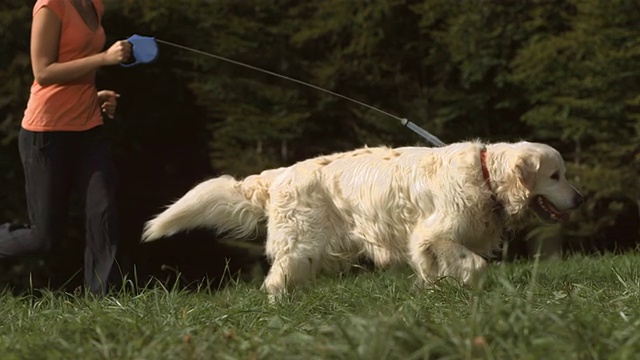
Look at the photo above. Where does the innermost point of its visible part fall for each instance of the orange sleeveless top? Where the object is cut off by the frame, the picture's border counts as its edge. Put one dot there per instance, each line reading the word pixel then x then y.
pixel 72 106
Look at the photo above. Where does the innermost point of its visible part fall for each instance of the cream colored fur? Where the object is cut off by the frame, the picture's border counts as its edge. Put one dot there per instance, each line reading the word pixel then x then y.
pixel 428 207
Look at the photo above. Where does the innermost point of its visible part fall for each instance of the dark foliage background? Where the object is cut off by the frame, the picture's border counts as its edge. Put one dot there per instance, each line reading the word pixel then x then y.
pixel 563 72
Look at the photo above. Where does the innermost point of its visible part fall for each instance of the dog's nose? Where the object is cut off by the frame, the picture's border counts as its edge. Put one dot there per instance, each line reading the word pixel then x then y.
pixel 578 199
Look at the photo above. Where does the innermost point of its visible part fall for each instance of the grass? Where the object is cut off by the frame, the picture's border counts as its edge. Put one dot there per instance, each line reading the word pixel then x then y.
pixel 580 308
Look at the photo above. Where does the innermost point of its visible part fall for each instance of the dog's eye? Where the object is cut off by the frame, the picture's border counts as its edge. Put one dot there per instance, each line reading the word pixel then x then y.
pixel 555 176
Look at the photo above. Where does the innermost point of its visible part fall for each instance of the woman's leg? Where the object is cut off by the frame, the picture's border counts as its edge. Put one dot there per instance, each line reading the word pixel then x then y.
pixel 46 163
pixel 96 185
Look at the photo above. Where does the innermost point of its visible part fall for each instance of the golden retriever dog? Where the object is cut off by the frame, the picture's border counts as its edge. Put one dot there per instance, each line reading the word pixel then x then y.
pixel 441 210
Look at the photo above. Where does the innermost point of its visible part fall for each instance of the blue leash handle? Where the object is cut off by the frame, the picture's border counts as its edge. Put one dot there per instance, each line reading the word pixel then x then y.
pixel 144 50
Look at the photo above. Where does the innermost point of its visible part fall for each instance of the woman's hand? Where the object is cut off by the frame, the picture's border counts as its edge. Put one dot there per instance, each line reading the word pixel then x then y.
pixel 119 52
pixel 108 101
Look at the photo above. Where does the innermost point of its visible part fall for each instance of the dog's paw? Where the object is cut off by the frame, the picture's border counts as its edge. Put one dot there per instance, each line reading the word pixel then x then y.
pixel 472 270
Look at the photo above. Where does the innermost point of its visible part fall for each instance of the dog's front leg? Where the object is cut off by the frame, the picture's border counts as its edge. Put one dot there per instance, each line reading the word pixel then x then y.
pixel 435 254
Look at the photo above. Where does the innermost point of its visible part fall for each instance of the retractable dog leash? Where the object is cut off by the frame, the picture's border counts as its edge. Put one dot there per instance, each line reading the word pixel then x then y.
pixel 145 51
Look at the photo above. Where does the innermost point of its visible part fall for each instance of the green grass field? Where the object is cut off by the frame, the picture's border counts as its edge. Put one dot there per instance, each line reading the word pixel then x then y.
pixel 581 308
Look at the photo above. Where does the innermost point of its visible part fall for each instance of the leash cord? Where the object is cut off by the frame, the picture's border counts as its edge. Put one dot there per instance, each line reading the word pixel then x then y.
pixel 417 129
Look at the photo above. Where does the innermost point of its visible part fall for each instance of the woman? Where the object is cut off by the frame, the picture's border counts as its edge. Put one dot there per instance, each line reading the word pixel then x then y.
pixel 62 143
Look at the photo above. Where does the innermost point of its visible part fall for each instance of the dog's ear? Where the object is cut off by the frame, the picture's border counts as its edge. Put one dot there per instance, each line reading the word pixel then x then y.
pixel 526 167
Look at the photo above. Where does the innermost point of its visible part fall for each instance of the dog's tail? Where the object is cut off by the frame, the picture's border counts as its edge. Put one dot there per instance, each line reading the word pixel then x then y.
pixel 222 203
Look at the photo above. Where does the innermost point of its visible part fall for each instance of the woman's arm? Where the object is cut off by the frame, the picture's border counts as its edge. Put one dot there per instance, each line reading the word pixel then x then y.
pixel 45 39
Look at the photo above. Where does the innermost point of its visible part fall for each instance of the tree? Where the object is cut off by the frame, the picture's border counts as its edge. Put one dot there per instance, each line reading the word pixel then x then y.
pixel 582 85
pixel 15 79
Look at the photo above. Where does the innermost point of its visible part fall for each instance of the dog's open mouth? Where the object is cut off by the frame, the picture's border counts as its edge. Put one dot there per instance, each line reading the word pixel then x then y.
pixel 547 211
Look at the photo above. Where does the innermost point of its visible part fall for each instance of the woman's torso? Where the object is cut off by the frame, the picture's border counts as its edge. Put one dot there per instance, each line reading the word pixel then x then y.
pixel 72 106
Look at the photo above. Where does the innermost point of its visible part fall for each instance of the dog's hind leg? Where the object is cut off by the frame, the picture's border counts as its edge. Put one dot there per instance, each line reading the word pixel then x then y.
pixel 299 230
pixel 435 256
pixel 286 272
pixel 296 257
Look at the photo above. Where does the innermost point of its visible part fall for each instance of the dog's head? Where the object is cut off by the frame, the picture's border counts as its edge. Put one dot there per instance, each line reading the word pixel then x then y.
pixel 532 175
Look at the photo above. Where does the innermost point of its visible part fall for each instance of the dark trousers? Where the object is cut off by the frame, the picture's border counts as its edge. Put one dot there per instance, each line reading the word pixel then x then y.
pixel 55 163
